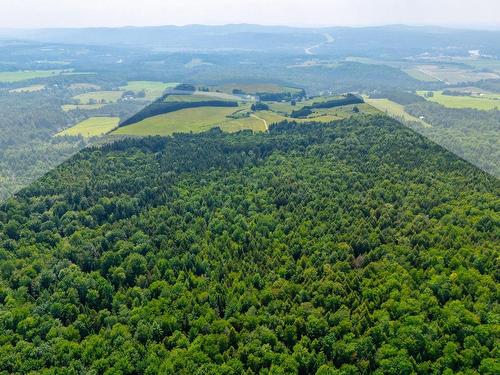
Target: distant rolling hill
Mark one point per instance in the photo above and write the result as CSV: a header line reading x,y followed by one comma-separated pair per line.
x,y
393,40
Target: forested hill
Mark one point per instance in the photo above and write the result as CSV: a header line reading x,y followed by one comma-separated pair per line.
x,y
352,247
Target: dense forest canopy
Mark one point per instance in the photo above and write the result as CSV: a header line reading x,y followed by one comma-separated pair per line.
x,y
344,248
469,133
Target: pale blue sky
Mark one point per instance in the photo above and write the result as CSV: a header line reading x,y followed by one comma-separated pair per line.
x,y
80,13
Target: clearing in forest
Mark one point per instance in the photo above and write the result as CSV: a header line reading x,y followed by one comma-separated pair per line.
x,y
92,127
484,102
192,120
395,110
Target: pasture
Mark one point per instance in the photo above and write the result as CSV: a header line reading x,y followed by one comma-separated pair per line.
x,y
252,123
394,110
286,108
92,127
231,119
24,75
96,97
191,120
346,111
484,102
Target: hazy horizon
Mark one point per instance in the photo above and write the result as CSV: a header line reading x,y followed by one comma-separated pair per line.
x,y
457,27
32,14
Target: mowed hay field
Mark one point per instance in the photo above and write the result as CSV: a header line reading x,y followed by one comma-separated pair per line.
x,y
394,110
92,127
191,120
485,102
9,77
152,89
99,96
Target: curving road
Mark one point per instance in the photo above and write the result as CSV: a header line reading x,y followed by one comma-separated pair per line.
x,y
329,39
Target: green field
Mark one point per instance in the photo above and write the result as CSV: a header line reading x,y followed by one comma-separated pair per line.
x,y
483,102
253,88
92,127
286,108
152,89
339,113
32,88
271,117
234,125
189,98
99,97
72,107
201,97
214,95
191,120
394,110
23,75
232,119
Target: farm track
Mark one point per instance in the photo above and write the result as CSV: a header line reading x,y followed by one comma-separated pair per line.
x,y
261,119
